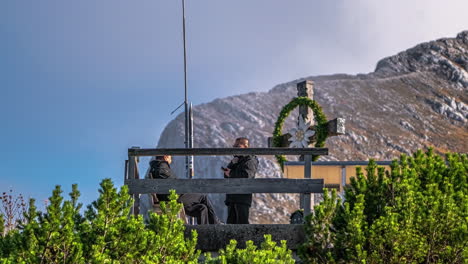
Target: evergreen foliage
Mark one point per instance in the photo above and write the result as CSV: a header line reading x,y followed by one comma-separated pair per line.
x,y
416,213
269,253
108,233
320,118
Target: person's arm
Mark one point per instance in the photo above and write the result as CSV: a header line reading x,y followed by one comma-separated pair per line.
x,y
232,164
226,172
166,171
248,169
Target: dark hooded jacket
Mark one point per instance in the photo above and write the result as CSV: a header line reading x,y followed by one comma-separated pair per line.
x,y
160,169
242,167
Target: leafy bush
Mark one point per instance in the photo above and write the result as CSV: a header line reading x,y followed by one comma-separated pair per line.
x,y
416,213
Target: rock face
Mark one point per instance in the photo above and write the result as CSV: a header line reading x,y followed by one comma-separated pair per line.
x,y
446,57
413,100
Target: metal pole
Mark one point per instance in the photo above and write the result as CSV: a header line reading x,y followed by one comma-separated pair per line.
x,y
191,164
187,121
185,86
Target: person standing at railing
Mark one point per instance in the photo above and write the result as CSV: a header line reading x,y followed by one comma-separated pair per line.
x,y
240,167
195,204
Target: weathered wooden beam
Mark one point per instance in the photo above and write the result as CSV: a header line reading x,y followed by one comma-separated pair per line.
x,y
284,140
134,175
215,237
132,152
332,186
234,186
306,89
132,166
136,196
307,175
126,170
336,127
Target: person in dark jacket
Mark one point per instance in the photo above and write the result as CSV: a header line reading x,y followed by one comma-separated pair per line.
x,y
195,204
240,167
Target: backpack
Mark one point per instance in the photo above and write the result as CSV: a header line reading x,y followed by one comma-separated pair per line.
x,y
297,217
152,172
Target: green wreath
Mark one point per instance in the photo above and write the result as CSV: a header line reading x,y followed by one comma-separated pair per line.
x,y
320,128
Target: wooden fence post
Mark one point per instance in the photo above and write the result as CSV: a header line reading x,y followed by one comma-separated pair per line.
x,y
307,175
133,174
126,170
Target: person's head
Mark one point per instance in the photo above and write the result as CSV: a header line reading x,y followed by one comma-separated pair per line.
x,y
241,142
166,158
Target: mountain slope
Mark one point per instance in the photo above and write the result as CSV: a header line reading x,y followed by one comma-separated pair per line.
x,y
415,99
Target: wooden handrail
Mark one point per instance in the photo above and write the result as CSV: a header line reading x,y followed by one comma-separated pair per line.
x,y
136,152
232,186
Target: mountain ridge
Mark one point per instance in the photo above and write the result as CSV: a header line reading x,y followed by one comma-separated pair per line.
x,y
413,100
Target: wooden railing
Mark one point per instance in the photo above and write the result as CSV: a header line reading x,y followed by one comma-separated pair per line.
x,y
213,237
137,152
235,186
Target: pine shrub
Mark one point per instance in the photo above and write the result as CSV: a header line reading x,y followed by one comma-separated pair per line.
x,y
416,213
108,233
269,253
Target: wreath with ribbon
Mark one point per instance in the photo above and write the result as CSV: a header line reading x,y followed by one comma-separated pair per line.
x,y
320,127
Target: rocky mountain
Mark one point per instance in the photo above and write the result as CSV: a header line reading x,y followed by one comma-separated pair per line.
x,y
413,100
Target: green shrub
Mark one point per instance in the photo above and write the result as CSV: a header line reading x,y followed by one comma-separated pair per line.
x,y
107,233
167,237
416,213
269,253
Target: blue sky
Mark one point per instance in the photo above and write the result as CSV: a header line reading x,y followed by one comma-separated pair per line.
x,y
82,81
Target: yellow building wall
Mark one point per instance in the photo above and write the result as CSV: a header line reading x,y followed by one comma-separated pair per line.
x,y
330,174
351,171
